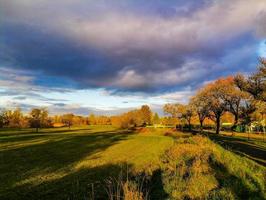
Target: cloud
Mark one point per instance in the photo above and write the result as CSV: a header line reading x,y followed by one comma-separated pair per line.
x,y
128,46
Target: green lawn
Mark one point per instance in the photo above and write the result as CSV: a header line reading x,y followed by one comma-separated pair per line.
x,y
59,163
62,163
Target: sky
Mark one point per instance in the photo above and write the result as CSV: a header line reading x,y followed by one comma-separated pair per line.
x,y
107,57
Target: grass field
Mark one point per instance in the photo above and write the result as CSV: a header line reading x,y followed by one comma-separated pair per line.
x,y
62,163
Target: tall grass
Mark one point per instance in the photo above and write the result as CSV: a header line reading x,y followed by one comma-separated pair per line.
x,y
196,168
124,187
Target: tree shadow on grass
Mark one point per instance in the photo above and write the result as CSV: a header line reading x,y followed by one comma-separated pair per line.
x,y
156,186
86,183
22,137
29,161
239,186
14,132
242,147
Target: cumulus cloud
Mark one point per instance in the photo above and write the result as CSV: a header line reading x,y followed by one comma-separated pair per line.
x,y
129,46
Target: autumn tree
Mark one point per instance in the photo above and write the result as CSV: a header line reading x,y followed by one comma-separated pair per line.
x,y
67,119
2,118
16,118
254,84
214,97
7,117
38,118
145,114
186,112
183,112
133,118
201,106
233,96
171,109
92,119
156,119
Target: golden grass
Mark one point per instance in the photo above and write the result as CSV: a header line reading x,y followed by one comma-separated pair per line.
x,y
196,168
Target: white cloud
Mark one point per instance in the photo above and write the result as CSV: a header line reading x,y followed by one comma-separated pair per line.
x,y
213,25
218,22
191,70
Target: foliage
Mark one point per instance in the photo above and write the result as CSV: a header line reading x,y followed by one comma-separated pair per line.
x,y
13,119
254,84
133,118
145,114
200,106
39,118
181,111
156,119
67,119
243,97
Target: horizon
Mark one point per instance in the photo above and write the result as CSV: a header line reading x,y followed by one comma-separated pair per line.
x,y
110,57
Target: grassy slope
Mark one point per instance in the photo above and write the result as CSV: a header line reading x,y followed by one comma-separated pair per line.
x,y
196,168
62,163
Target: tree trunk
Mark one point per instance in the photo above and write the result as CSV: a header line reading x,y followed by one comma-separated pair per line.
x,y
189,125
201,126
236,120
218,124
37,129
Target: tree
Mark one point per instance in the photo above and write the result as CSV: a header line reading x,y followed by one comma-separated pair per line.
x,y
2,119
246,111
201,107
67,119
180,111
214,97
146,114
92,119
186,112
38,118
16,118
233,96
156,119
254,84
171,109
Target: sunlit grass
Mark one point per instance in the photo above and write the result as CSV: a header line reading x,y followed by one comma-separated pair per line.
x,y
62,163
196,168
50,164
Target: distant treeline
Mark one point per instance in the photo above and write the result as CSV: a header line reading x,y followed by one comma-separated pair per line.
x,y
39,118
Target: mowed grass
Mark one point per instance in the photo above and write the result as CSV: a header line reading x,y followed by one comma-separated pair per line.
x,y
62,163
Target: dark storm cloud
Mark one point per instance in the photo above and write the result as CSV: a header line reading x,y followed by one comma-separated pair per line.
x,y
130,46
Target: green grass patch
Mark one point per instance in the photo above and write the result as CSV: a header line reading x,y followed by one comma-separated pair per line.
x,y
62,163
76,163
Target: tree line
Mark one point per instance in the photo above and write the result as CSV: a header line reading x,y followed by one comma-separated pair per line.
x,y
39,118
243,97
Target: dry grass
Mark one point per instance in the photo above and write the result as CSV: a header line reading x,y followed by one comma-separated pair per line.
x,y
196,168
122,188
